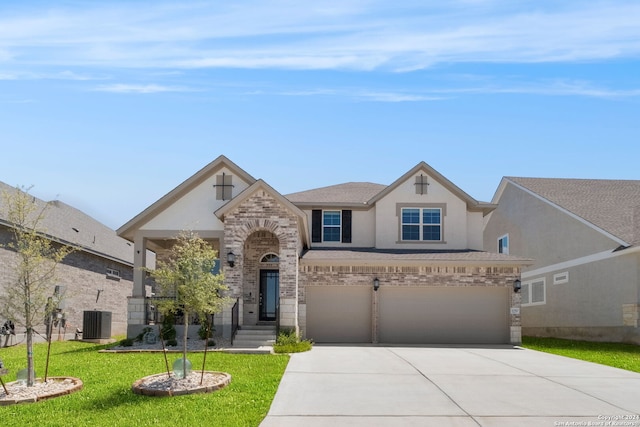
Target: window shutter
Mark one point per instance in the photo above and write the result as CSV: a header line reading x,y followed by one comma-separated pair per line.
x,y
316,225
346,226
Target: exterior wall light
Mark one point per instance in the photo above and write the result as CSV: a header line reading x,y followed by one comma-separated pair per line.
x,y
231,259
376,284
517,285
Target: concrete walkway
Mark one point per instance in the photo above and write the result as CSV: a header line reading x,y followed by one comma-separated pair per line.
x,y
450,386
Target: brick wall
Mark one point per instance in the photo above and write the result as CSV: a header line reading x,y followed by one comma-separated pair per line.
x,y
259,213
80,275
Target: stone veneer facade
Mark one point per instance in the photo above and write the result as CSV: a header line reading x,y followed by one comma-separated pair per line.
x,y
262,213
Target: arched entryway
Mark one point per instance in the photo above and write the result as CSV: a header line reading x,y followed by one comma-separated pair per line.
x,y
261,284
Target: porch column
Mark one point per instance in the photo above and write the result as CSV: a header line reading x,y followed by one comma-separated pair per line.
x,y
136,307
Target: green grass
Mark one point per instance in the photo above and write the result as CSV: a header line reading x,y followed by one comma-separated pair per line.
x,y
618,355
107,399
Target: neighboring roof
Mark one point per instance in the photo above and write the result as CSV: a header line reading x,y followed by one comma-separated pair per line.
x,y
472,204
128,229
399,256
610,205
348,194
66,224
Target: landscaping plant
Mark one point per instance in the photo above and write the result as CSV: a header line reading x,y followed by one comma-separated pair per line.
x,y
28,301
186,277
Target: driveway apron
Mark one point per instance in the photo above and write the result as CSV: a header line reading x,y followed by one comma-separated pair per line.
x,y
450,386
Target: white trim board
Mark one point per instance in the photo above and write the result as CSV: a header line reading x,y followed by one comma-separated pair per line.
x,y
600,256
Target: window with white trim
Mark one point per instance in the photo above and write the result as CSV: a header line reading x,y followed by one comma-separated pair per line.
x,y
561,278
331,229
534,292
503,245
421,224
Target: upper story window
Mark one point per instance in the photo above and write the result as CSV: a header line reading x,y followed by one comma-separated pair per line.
x,y
421,224
331,226
503,245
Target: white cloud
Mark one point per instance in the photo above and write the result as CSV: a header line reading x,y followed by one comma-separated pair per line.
x,y
281,34
141,89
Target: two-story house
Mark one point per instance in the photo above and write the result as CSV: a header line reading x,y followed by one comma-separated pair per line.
x,y
356,262
584,238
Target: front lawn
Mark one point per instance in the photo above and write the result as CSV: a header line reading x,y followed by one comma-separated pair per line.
x,y
623,356
107,399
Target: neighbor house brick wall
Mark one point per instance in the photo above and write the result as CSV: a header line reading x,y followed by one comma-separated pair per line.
x,y
81,275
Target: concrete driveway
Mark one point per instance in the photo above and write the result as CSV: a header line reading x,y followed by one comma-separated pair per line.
x,y
450,386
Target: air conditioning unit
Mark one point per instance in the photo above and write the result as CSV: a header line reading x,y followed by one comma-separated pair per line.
x,y
96,325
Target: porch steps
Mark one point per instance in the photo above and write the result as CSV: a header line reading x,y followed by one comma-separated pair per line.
x,y
255,336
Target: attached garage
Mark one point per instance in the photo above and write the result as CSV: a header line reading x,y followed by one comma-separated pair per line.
x,y
339,314
443,315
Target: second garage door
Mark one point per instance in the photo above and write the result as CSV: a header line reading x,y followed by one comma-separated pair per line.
x,y
443,315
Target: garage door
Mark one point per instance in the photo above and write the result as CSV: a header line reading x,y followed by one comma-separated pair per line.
x,y
337,314
452,315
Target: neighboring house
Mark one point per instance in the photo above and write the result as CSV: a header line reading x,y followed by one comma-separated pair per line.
x,y
313,261
583,236
98,275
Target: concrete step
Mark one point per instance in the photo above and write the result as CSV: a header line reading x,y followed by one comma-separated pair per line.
x,y
248,343
252,336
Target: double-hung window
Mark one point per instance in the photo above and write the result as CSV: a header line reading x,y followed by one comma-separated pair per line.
x,y
331,225
421,224
331,229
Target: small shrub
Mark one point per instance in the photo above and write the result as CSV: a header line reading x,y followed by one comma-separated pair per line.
x,y
202,332
211,343
172,342
168,329
127,342
288,341
141,335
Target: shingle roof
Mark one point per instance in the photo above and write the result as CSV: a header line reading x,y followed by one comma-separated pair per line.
x,y
355,193
400,255
61,222
611,205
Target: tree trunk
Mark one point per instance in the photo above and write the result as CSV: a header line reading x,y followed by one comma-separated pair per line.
x,y
30,367
184,345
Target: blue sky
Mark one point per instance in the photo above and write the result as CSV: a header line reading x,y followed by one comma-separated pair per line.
x,y
108,106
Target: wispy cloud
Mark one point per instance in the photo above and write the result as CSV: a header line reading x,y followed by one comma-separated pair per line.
x,y
141,89
282,34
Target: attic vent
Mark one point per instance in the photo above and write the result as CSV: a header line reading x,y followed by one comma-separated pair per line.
x,y
421,184
223,186
113,273
561,278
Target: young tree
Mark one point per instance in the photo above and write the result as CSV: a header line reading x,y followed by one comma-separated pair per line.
x,y
25,299
187,277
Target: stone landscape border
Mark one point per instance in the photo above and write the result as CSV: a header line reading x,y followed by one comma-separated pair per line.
x,y
67,385
223,379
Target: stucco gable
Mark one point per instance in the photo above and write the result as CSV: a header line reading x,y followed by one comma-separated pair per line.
x,y
431,173
611,207
128,230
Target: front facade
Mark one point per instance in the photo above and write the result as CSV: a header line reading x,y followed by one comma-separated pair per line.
x,y
356,263
97,276
583,236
